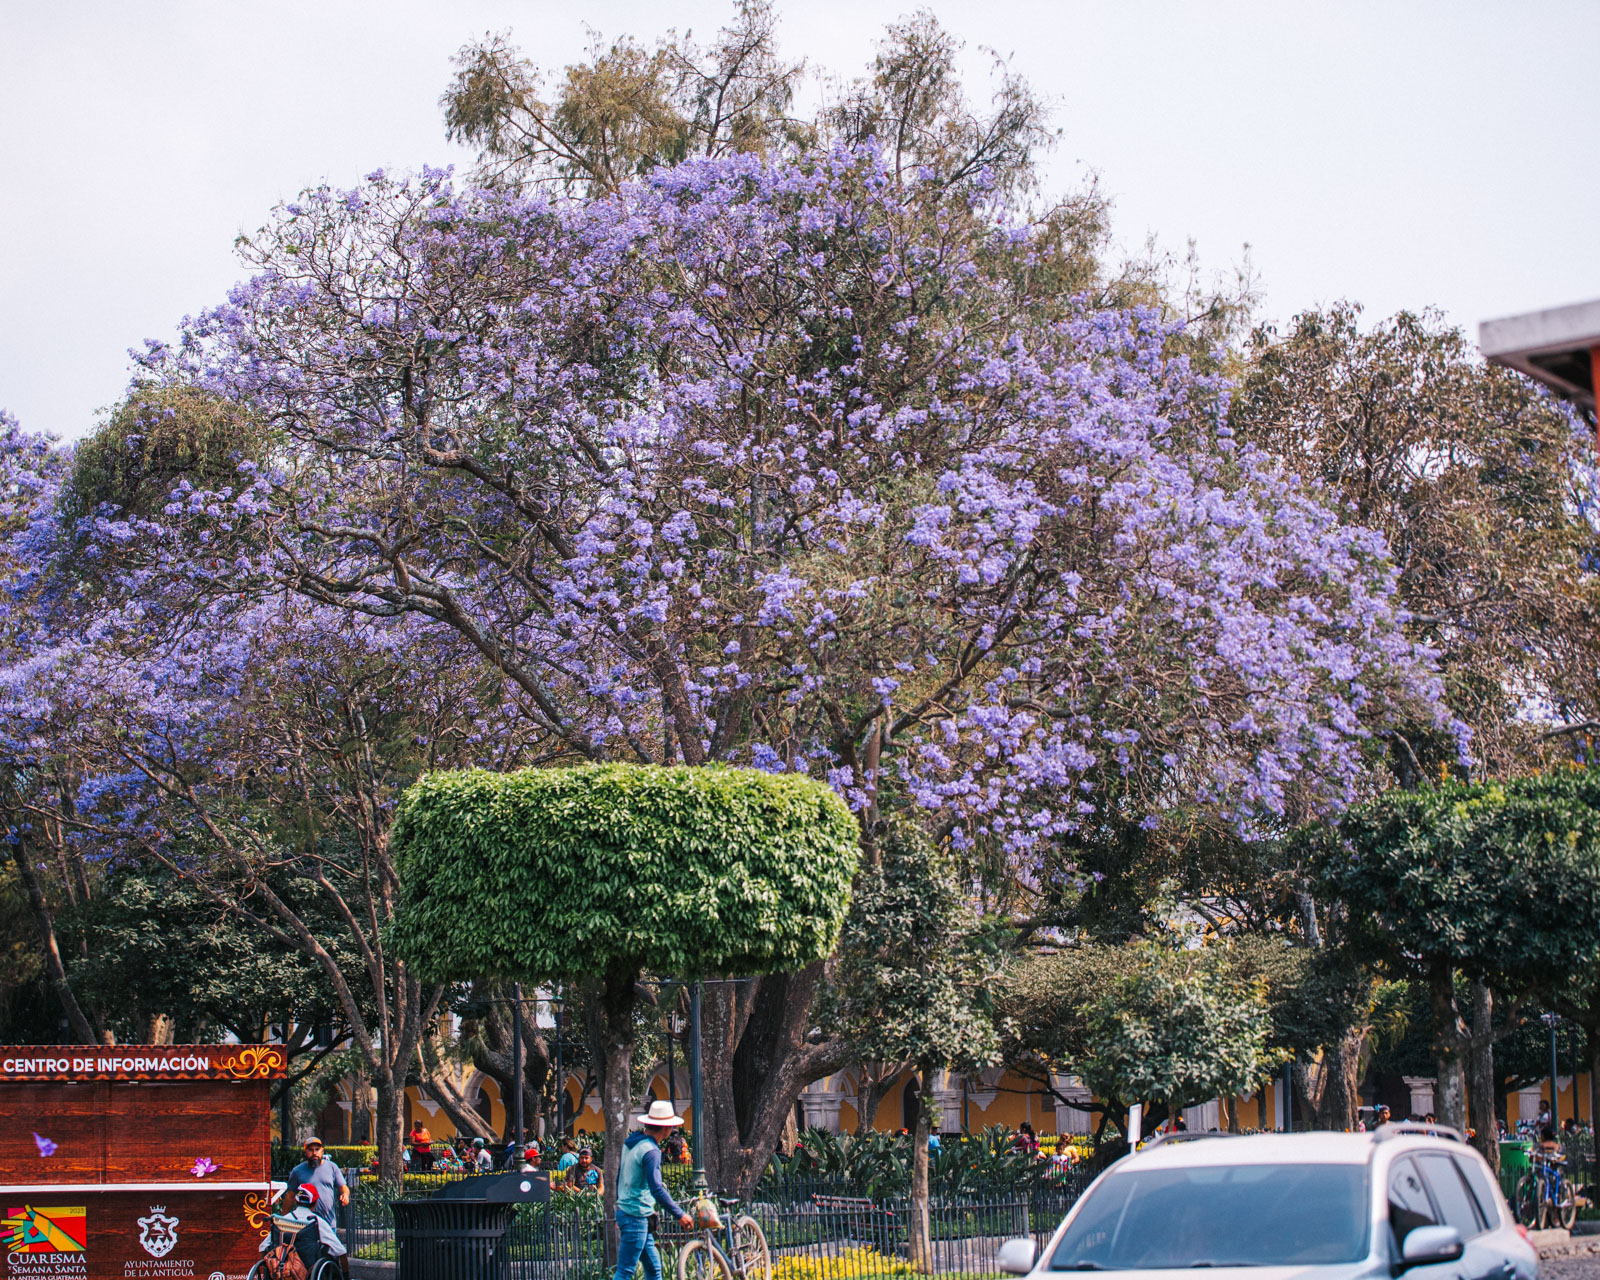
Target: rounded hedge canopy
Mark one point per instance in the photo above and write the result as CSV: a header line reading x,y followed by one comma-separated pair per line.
x,y
682,870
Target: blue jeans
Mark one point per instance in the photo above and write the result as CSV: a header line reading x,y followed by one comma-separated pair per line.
x,y
635,1243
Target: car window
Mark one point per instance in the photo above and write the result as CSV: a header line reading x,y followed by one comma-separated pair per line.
x,y
1483,1189
1245,1215
1450,1194
1409,1206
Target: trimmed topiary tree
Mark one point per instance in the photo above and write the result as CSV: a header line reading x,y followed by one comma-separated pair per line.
x,y
616,870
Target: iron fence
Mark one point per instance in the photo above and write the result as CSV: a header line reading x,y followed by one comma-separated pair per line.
x,y
815,1230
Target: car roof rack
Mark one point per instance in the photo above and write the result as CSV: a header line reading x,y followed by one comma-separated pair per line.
x,y
1400,1128
1183,1135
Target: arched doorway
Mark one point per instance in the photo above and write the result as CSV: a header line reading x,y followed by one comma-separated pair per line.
x,y
911,1103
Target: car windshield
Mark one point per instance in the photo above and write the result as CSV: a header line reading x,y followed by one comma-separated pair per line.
x,y
1243,1215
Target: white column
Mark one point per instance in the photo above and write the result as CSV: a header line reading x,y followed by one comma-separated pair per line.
x,y
1421,1093
946,1098
821,1104
1205,1117
1071,1119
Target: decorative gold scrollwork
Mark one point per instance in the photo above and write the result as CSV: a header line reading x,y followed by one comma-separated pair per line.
x,y
255,1061
257,1210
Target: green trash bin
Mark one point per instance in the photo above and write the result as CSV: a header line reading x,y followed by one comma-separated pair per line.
x,y
1513,1164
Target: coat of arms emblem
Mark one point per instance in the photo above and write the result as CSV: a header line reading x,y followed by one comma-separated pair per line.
x,y
159,1232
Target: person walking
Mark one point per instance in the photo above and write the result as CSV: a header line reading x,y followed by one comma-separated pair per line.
x,y
640,1190
323,1177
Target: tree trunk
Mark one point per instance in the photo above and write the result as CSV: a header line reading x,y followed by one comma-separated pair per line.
x,y
756,1061
1450,1091
462,1113
875,1088
1261,1105
54,969
1230,1113
390,1124
1593,1038
921,1242
617,1000
1480,1076
1340,1096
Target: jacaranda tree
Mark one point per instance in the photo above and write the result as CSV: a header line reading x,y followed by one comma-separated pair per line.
x,y
620,871
788,464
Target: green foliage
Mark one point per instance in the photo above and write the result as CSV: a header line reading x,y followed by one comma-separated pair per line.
x,y
27,1011
153,439
1500,881
911,969
878,1164
1177,1025
553,872
155,944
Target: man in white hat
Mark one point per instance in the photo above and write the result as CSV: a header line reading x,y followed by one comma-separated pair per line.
x,y
640,1190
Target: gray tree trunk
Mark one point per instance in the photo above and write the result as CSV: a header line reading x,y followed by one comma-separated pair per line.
x,y
1480,1076
617,1000
1450,1089
921,1242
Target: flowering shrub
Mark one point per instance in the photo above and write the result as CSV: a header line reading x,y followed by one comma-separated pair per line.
x,y
854,1263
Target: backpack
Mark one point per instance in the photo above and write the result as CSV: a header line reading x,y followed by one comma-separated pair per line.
x,y
282,1262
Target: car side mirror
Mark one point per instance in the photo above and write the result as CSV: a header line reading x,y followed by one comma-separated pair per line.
x,y
1430,1244
1015,1257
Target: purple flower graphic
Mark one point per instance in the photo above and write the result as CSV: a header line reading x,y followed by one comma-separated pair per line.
x,y
203,1166
46,1147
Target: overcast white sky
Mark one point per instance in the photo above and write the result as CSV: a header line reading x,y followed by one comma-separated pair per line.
x,y
1401,153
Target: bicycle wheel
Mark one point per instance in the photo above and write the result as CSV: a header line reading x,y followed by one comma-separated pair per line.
x,y
751,1257
702,1260
1565,1205
1545,1213
1524,1200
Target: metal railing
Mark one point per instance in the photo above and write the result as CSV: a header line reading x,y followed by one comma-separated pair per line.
x,y
815,1230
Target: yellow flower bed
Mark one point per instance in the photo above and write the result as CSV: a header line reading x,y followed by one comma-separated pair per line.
x,y
847,1264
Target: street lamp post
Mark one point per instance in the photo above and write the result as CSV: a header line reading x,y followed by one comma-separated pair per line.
x,y
1550,1020
561,1074
516,1064
696,1096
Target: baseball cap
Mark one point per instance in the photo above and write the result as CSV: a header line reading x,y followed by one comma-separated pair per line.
x,y
305,1194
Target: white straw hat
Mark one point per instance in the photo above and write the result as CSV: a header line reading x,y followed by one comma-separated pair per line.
x,y
660,1113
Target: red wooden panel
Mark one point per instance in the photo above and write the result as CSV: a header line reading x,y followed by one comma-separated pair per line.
x,y
128,1235
71,1118
156,1132
104,1132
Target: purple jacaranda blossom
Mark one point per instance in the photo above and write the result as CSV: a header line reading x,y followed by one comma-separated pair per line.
x,y
772,462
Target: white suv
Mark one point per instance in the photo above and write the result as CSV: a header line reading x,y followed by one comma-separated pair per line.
x,y
1325,1206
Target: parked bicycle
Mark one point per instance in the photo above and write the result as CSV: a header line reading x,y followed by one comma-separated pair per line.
x,y
1545,1197
742,1253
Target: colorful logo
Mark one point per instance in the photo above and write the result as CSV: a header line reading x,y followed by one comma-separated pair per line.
x,y
45,1230
159,1232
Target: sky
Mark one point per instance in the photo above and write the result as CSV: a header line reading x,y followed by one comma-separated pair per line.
x,y
1401,154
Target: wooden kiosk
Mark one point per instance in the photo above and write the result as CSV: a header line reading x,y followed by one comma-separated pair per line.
x,y
139,1162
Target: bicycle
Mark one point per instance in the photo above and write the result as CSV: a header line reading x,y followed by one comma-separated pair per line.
x,y
1544,1197
743,1254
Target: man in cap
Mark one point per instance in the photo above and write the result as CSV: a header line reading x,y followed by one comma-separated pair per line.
x,y
323,1177
482,1161
640,1190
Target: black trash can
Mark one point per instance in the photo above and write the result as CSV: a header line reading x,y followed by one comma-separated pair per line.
x,y
459,1240
463,1231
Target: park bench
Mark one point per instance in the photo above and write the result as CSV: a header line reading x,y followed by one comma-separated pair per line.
x,y
860,1220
